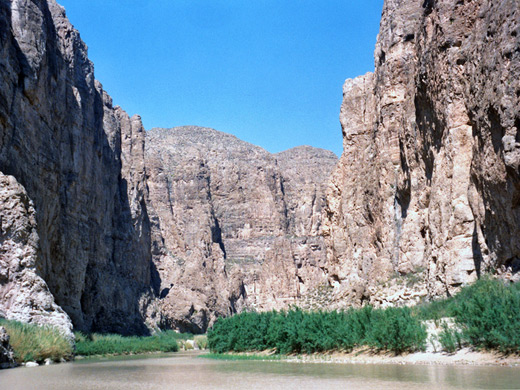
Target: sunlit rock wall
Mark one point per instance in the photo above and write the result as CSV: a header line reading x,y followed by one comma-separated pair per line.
x,y
426,195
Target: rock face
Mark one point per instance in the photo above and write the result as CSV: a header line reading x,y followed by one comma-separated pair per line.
x,y
230,226
24,296
233,226
80,161
426,195
198,224
6,352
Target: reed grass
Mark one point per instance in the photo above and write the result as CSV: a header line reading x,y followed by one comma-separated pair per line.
x,y
37,343
113,344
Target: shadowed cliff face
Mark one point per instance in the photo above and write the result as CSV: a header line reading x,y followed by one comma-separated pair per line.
x,y
233,226
426,192
81,163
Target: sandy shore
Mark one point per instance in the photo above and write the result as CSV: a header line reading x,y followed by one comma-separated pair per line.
x,y
364,356
465,356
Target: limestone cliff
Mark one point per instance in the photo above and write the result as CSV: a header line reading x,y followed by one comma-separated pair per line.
x,y
230,226
24,295
101,231
79,162
233,226
425,197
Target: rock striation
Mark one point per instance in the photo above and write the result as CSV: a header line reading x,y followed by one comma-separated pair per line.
x,y
426,195
233,226
95,235
81,164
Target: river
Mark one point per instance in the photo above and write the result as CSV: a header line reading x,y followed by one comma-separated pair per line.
x,y
187,371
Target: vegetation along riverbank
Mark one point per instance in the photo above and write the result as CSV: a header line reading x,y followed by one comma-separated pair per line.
x,y
477,326
37,344
484,316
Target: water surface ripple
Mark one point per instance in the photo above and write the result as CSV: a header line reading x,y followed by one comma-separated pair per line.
x,y
187,371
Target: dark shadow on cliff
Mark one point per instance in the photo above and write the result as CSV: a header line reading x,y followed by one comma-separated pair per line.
x,y
477,253
90,263
501,217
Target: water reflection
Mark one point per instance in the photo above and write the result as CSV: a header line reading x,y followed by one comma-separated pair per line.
x,y
185,371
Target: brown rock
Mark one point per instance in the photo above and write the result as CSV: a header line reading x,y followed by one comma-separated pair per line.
x,y
426,190
233,226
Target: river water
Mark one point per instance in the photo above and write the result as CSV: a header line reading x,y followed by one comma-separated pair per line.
x,y
187,371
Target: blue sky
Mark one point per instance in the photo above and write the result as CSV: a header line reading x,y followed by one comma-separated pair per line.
x,y
268,71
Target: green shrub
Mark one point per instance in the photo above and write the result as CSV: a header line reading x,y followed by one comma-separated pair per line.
x,y
297,331
449,338
488,313
435,310
394,329
36,343
113,344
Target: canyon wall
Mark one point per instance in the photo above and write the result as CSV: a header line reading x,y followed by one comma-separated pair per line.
x,y
75,167
233,226
225,226
114,229
426,195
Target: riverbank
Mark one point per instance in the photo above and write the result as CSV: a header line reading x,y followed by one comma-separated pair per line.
x,y
31,345
462,357
484,316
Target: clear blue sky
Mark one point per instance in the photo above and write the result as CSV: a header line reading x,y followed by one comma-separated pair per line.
x,y
268,71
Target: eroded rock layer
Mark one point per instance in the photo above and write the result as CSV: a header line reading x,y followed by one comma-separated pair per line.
x,y
233,226
425,197
80,161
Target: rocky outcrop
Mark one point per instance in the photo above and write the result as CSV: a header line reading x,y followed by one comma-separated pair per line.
x,y
199,224
24,295
80,161
425,198
233,226
6,352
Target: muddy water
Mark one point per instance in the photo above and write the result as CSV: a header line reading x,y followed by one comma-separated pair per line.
x,y
186,371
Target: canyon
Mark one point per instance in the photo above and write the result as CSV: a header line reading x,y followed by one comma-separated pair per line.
x,y
425,197
107,227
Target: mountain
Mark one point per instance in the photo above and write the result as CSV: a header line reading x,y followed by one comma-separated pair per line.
x,y
107,227
426,195
233,226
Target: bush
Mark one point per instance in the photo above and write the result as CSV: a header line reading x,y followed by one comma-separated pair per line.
x,y
202,341
435,310
394,329
36,343
488,313
449,338
113,344
296,331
